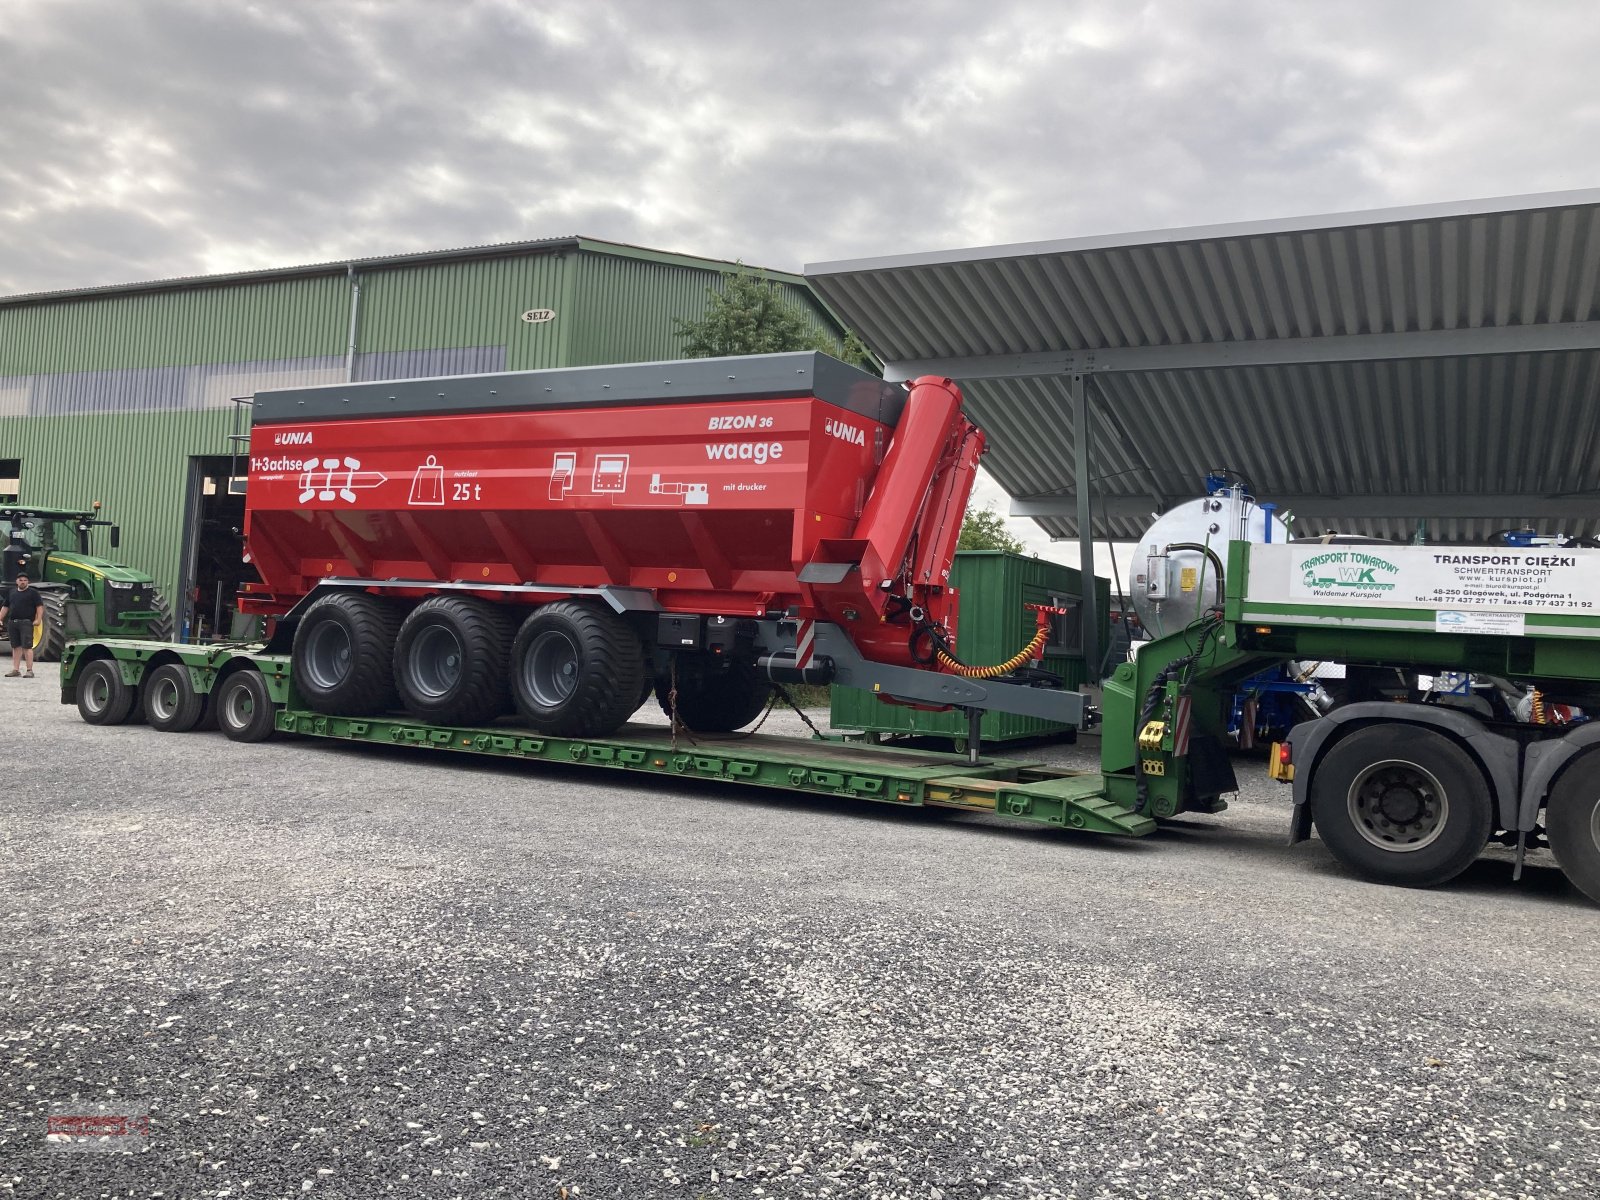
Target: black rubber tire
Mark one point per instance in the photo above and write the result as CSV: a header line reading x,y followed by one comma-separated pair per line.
x,y
474,688
1572,823
713,700
343,655
103,698
52,632
244,708
160,629
171,703
576,670
1401,752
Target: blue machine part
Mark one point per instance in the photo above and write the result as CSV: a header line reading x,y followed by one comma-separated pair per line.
x,y
1267,706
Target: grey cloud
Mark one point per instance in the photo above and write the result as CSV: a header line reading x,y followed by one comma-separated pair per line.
x,y
170,137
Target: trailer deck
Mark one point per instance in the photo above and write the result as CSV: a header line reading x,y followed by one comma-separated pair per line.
x,y
828,766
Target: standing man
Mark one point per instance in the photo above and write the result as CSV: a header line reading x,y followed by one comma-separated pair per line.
x,y
22,613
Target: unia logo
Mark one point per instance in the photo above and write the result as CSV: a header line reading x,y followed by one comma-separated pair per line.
x,y
844,431
1349,572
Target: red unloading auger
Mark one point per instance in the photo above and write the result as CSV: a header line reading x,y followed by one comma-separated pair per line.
x,y
905,543
892,577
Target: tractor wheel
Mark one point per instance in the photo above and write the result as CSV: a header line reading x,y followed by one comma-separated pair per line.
x,y
160,629
50,635
103,698
716,701
452,661
576,670
245,712
343,655
171,703
1572,822
1401,804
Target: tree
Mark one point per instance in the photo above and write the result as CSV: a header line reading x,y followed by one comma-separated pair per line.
x,y
748,314
985,529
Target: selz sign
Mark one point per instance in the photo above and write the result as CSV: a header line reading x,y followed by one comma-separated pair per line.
x,y
539,316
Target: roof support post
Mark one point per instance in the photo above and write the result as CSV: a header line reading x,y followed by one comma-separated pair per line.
x,y
1089,605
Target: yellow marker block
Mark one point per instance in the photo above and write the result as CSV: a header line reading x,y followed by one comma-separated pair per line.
x,y
1188,579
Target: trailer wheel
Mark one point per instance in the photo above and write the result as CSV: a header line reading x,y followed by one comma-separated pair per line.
x,y
103,698
1401,804
245,712
171,703
452,661
1572,822
576,670
343,656
712,701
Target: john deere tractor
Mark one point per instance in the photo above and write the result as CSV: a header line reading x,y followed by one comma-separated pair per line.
x,y
82,592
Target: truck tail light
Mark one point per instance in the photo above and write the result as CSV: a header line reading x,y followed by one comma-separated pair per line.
x,y
1280,765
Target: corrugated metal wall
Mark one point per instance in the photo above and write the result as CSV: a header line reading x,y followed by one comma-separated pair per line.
x,y
257,322
469,304
136,465
107,397
627,308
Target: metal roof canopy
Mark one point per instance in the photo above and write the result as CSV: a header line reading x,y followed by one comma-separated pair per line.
x,y
1437,364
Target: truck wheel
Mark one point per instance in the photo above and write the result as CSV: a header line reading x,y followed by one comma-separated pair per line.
x,y
452,661
343,656
50,635
245,712
170,702
717,701
1572,822
103,698
1401,804
576,670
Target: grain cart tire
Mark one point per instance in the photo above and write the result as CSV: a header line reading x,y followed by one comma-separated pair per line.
x,y
1401,804
452,661
1572,822
103,698
717,701
171,703
577,670
245,712
50,635
343,656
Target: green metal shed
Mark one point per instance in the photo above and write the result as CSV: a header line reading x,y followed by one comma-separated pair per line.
x,y
125,394
995,586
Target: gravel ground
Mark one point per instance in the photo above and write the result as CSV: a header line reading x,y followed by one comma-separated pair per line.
x,y
331,971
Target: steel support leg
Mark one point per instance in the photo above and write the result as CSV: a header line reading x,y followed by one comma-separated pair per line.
x,y
1082,452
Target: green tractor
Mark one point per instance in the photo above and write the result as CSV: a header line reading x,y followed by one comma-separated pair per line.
x,y
82,592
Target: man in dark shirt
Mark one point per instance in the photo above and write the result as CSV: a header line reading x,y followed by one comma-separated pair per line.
x,y
22,612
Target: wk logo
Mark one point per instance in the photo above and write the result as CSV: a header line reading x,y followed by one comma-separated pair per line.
x,y
1348,572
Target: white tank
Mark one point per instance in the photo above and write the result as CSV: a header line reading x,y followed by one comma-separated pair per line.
x,y
1171,587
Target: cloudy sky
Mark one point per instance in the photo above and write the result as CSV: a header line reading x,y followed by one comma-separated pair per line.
x,y
144,139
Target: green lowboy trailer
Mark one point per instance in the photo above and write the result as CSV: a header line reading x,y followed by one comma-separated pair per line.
x,y
1404,785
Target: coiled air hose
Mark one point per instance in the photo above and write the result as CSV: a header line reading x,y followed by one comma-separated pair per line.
x,y
1032,650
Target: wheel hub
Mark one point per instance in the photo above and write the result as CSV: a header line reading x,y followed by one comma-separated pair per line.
x,y
550,668
435,661
328,655
1398,806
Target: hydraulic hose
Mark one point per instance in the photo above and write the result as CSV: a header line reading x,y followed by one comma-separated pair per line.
x,y
956,667
1211,554
1032,650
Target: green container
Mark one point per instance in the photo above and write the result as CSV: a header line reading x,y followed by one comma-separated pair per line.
x,y
995,586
